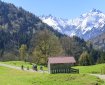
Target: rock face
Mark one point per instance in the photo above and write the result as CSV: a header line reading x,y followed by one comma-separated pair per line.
x,y
86,26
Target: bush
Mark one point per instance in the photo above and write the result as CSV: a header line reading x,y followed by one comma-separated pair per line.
x,y
9,57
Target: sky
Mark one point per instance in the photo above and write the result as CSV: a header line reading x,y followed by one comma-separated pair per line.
x,y
67,9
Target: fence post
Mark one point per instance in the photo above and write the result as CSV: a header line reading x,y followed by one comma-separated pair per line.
x,y
78,71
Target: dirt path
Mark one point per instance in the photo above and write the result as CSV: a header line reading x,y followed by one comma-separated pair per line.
x,y
19,68
99,76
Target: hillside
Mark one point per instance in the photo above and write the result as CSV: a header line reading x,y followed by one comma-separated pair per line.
x,y
17,27
99,42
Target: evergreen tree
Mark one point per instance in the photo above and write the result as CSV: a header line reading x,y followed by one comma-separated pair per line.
x,y
101,59
23,52
66,44
73,46
84,59
93,57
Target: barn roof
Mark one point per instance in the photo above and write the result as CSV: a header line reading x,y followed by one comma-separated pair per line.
x,y
57,60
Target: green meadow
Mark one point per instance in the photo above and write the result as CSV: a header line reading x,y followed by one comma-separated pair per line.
x,y
16,77
25,64
95,69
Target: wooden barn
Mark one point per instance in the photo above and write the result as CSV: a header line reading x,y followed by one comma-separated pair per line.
x,y
61,64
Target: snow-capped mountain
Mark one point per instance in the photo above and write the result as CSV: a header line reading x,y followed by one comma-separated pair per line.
x,y
86,26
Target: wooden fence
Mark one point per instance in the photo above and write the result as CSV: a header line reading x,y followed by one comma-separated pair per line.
x,y
70,70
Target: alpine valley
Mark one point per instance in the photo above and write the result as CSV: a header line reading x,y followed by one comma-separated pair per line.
x,y
37,38
87,26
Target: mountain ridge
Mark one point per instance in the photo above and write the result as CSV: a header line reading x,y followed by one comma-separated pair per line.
x,y
84,26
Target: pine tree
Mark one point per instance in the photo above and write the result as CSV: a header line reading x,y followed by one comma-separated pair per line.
x,y
22,52
101,59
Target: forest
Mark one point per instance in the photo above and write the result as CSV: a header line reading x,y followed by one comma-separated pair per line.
x,y
23,36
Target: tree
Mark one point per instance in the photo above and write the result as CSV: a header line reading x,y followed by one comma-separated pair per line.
x,y
4,41
23,52
101,59
84,59
46,45
73,46
66,44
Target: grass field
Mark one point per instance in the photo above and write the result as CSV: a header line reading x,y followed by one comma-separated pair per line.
x,y
90,69
19,63
15,77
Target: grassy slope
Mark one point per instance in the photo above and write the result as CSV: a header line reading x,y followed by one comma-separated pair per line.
x,y
14,77
90,69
